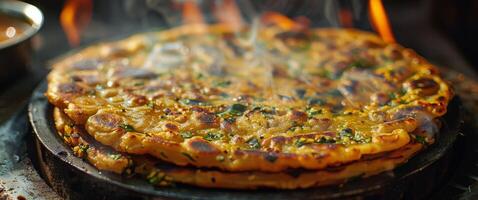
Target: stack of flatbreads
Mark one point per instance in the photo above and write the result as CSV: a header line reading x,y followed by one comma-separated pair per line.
x,y
268,107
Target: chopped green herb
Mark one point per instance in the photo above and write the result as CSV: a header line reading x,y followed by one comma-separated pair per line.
x,y
312,112
188,156
271,157
139,84
304,46
324,140
361,138
223,84
316,101
199,76
192,102
220,158
224,95
151,104
392,95
127,128
294,126
234,110
334,92
84,147
254,143
259,99
346,132
155,177
300,93
327,74
211,136
99,87
402,91
360,63
115,156
300,142
230,120
186,134
421,139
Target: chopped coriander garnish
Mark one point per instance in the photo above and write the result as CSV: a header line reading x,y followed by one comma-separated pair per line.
x,y
271,157
151,104
334,92
346,132
139,84
324,140
230,120
115,156
211,136
155,177
316,101
254,143
199,76
402,91
392,95
234,110
360,63
300,93
361,138
312,112
186,134
421,139
300,142
100,87
223,84
224,95
220,158
84,147
193,102
127,128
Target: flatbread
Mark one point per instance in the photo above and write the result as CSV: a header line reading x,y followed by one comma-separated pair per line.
x,y
163,174
269,101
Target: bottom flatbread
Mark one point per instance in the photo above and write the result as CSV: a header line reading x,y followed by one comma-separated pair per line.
x,y
160,173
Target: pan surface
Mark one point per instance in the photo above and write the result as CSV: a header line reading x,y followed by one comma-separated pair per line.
x,y
74,178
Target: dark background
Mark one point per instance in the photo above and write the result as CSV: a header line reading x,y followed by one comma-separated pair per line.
x,y
418,24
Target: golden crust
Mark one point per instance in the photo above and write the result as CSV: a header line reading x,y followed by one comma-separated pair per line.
x,y
159,173
310,100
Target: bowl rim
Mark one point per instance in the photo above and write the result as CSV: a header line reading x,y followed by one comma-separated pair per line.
x,y
26,11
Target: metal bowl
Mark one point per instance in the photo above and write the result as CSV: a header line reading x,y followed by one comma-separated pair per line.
x,y
15,53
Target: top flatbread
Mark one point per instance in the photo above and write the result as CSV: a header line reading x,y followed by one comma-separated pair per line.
x,y
267,101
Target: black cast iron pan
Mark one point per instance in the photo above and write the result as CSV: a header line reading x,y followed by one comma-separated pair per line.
x,y
74,178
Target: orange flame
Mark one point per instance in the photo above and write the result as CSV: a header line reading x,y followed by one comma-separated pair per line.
x,y
192,13
380,20
278,19
74,17
228,13
297,24
345,17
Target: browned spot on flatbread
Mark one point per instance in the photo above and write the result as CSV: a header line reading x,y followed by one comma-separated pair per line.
x,y
202,146
106,121
171,127
207,119
298,116
70,88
